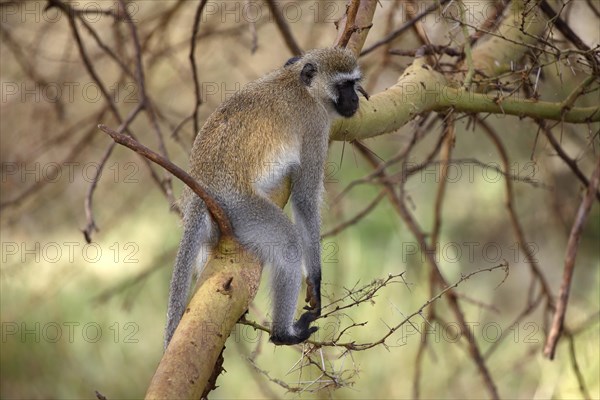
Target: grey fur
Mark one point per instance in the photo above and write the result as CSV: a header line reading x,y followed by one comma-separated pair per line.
x,y
275,128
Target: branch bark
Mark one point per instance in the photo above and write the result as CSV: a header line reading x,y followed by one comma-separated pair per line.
x,y
228,285
421,89
354,26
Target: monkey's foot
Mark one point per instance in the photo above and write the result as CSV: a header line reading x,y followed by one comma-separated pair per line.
x,y
302,331
313,297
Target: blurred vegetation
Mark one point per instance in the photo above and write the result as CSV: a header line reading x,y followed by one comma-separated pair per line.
x,y
78,318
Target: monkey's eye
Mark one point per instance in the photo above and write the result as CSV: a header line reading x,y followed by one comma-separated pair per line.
x,y
345,84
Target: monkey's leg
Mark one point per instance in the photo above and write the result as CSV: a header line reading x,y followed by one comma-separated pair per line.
x,y
197,234
262,228
306,195
308,225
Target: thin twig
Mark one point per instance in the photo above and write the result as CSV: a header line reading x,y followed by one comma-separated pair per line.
x,y
192,57
337,229
568,102
427,50
400,207
575,365
403,28
563,295
446,291
571,163
467,47
515,222
145,101
284,28
213,207
105,48
446,155
566,30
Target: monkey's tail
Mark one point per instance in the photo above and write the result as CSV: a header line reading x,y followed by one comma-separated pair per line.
x,y
198,235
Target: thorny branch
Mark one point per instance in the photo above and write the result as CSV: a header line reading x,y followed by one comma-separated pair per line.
x,y
566,30
402,210
406,26
356,297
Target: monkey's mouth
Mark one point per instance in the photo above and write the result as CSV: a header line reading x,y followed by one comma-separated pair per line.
x,y
346,110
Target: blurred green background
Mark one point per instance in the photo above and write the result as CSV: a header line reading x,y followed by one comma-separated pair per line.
x,y
78,318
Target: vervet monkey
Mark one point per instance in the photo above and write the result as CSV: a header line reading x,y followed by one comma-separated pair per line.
x,y
274,128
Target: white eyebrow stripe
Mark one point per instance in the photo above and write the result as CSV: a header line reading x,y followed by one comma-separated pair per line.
x,y
352,76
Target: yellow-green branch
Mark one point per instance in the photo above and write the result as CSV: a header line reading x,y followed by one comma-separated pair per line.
x,y
421,89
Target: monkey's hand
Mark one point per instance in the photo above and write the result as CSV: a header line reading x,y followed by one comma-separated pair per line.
x,y
313,297
302,331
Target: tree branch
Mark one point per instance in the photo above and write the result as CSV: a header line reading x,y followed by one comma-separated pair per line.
x,y
406,216
284,28
192,58
404,27
227,286
563,295
213,207
354,26
571,163
566,30
421,89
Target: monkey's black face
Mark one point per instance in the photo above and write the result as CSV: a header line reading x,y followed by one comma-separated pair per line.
x,y
347,100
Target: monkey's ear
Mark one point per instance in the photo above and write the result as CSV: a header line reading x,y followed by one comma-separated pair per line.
x,y
291,61
308,73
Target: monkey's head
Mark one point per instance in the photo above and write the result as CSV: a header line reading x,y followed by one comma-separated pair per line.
x,y
331,75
